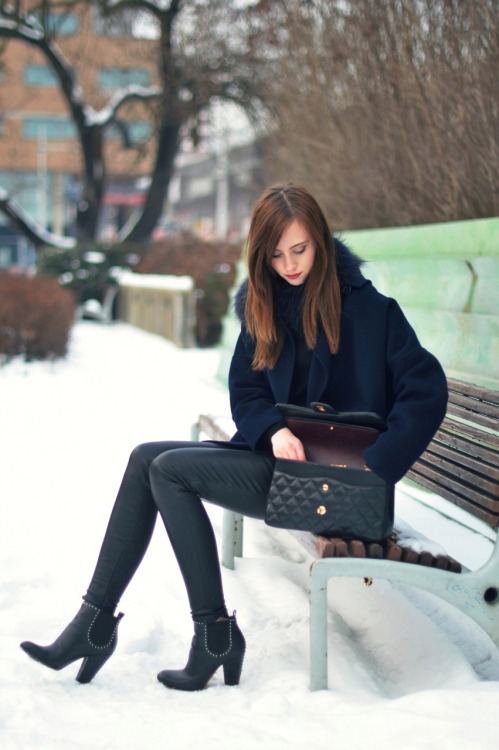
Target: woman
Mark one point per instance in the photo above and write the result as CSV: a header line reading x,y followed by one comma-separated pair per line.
x,y
313,329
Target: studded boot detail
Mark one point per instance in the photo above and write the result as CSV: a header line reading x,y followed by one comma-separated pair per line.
x,y
91,636
216,644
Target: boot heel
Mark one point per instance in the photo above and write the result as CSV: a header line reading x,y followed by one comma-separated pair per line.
x,y
90,666
215,644
92,636
232,670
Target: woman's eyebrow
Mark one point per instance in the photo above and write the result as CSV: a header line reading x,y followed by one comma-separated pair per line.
x,y
297,244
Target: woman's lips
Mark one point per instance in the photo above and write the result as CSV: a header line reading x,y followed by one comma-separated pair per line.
x,y
293,276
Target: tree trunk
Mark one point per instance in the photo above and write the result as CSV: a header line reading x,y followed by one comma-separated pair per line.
x,y
90,202
158,190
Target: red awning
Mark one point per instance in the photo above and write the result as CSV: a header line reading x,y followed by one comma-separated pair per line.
x,y
124,199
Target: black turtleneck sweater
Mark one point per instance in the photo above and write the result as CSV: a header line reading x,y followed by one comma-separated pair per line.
x,y
288,307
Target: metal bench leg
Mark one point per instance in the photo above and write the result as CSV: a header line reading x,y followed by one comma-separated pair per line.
x,y
195,432
232,538
318,628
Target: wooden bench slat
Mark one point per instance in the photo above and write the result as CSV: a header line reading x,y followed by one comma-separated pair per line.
x,y
471,431
469,441
474,406
479,402
489,516
487,418
478,405
459,387
326,547
462,465
480,497
466,466
482,477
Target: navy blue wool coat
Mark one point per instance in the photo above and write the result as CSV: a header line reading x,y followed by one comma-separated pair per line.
x,y
380,367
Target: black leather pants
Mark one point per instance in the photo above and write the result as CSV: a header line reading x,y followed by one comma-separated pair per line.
x,y
171,477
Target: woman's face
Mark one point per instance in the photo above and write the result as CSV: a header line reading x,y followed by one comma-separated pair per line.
x,y
294,255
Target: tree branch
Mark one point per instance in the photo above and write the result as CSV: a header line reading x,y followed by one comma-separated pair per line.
x,y
29,228
130,93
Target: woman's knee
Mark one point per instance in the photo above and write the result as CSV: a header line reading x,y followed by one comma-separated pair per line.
x,y
141,455
175,466
145,453
162,466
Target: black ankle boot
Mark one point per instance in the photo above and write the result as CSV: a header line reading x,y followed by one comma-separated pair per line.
x,y
91,636
214,645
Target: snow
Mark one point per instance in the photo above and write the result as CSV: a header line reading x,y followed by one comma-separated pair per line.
x,y
120,96
406,670
155,281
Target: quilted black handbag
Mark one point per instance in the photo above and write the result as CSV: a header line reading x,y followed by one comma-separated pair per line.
x,y
332,493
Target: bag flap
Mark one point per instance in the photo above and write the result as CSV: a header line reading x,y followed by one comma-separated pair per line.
x,y
326,413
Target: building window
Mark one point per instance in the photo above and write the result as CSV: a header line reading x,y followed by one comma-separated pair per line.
x,y
49,128
64,24
138,131
115,78
39,75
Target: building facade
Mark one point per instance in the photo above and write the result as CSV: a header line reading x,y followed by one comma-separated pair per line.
x,y
213,188
212,192
40,161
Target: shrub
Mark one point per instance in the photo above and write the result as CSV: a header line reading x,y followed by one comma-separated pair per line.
x,y
212,265
36,316
87,271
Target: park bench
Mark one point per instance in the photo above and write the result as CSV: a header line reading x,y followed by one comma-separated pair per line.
x,y
461,465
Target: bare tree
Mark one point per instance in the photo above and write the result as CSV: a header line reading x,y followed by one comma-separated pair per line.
x,y
387,109
197,59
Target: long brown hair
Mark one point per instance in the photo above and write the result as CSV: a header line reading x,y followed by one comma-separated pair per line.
x,y
274,210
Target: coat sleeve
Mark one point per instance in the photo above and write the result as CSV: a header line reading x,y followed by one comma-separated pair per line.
x,y
251,398
419,389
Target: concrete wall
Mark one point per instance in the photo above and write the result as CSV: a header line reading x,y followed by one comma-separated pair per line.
x,y
446,279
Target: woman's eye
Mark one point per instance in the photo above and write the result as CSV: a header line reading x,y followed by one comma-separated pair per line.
x,y
301,250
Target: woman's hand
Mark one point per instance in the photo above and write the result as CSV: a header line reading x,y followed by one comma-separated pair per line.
x,y
287,445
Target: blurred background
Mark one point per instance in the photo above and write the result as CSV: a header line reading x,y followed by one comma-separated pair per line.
x,y
137,134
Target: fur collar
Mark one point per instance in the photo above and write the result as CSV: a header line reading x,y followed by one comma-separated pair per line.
x,y
349,272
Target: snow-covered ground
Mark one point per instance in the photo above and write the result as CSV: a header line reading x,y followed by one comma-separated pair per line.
x,y
406,669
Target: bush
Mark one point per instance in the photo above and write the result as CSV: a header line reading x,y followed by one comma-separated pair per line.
x,y
87,271
36,316
212,265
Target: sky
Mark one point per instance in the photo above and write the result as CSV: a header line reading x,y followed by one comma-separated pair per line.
x,y
405,670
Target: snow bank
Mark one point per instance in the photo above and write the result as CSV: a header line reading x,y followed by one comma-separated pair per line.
x,y
406,669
